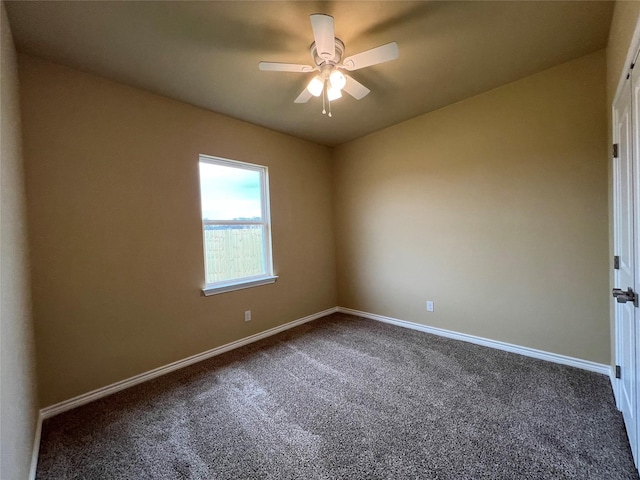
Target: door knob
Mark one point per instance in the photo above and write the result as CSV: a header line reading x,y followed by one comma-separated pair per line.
x,y
622,296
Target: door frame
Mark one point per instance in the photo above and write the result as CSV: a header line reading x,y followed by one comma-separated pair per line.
x,y
632,53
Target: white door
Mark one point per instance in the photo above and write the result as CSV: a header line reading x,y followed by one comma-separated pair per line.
x,y
635,101
627,137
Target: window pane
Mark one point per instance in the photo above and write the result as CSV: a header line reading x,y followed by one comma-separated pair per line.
x,y
237,252
233,251
229,193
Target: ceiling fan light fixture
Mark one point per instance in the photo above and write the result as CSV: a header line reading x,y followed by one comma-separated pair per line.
x,y
327,51
337,79
333,93
316,85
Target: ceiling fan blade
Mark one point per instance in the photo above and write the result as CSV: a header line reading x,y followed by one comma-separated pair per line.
x,y
284,67
384,53
324,35
304,97
355,88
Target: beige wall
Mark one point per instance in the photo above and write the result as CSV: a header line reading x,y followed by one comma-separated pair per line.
x,y
626,16
114,215
495,208
18,399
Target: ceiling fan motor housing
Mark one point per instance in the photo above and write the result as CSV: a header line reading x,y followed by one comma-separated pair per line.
x,y
321,61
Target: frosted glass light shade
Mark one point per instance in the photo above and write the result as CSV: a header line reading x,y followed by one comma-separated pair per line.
x,y
315,86
333,93
337,80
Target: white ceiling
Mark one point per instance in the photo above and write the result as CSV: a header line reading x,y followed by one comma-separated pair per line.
x,y
207,53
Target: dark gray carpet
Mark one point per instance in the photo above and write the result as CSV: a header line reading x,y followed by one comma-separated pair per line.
x,y
345,397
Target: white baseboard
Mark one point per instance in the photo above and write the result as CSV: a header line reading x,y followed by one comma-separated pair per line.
x,y
508,347
85,398
36,448
66,405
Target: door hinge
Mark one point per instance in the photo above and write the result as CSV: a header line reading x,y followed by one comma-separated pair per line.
x,y
618,371
616,262
615,150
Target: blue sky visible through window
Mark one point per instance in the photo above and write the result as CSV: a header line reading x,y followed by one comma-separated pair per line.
x,y
229,193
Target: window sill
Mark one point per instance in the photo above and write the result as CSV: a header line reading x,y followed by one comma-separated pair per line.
x,y
230,287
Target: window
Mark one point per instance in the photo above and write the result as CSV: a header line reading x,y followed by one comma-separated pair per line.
x,y
235,225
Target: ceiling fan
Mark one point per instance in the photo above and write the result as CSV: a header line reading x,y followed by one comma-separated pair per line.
x,y
327,51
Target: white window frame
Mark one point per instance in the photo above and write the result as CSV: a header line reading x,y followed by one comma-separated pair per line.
x,y
255,280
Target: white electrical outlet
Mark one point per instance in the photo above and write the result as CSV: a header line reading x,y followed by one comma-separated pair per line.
x,y
247,315
429,306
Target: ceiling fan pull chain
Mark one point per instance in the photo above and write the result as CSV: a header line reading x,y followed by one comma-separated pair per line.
x,y
324,96
325,99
